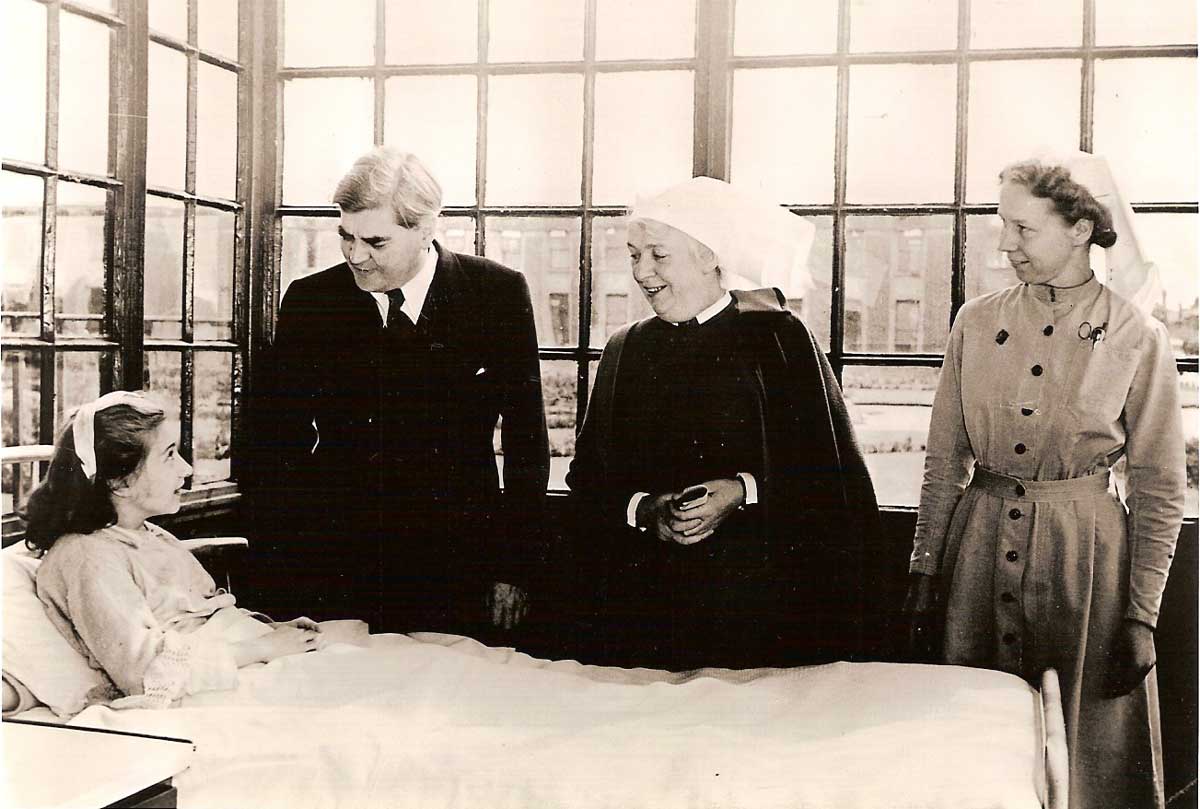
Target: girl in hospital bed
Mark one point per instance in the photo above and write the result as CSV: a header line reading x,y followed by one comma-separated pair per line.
x,y
125,593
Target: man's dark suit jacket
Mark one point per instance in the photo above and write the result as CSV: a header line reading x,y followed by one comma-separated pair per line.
x,y
372,477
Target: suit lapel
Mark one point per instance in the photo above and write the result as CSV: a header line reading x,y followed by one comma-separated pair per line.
x,y
442,318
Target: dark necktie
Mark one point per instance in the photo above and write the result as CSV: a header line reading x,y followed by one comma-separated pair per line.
x,y
396,319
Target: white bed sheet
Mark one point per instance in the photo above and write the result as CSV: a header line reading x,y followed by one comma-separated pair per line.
x,y
441,721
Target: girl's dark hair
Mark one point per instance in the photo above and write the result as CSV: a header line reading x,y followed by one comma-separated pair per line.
x,y
66,502
1072,200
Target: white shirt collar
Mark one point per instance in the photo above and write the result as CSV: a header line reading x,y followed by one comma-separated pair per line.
x,y
715,309
415,291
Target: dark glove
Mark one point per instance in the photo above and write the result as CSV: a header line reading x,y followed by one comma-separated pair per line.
x,y
920,605
1131,660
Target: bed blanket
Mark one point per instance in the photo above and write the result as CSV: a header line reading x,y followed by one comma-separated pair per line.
x,y
436,721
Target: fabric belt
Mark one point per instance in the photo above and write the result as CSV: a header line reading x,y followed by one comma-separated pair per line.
x,y
1040,491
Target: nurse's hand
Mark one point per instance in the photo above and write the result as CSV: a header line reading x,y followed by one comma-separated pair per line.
x,y
920,605
1131,659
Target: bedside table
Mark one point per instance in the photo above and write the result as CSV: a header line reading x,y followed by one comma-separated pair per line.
x,y
64,767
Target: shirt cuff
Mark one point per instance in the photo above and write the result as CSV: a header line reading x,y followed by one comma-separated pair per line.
x,y
751,487
631,509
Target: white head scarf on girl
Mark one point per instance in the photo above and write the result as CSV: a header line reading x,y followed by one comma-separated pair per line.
x,y
83,427
757,243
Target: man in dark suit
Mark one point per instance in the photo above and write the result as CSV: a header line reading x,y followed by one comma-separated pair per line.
x,y
373,474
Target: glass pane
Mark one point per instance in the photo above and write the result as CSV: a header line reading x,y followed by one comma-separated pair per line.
x,y
897,114
217,129
1025,23
535,31
903,25
213,415
987,268
560,384
1146,125
167,122
83,95
431,32
809,289
890,409
616,298
327,125
163,374
315,35
310,244
23,41
627,29
768,27
456,234
1169,240
213,299
535,140
546,251
897,283
79,259
164,268
218,24
641,159
1191,436
21,251
783,128
169,17
1169,22
103,5
77,381
435,118
998,89
22,415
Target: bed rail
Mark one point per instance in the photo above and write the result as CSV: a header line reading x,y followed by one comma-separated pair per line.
x,y
1057,765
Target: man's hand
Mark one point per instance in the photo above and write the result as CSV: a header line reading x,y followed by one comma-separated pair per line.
x,y
692,525
920,605
1131,660
506,605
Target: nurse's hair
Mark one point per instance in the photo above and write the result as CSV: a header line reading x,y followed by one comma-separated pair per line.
x,y
1072,200
68,501
389,177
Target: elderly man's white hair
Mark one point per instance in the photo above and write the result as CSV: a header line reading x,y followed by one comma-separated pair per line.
x,y
755,241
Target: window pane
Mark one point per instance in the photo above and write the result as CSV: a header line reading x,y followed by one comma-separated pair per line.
x,y
456,234
897,113
429,32
642,158
560,384
1171,22
314,34
327,125
169,17
21,249
1146,125
998,137
890,409
1025,23
213,414
546,251
164,375
769,27
217,129
903,25
83,95
310,244
77,381
783,128
1169,240
22,414
1191,435
23,40
535,140
987,268
616,298
535,31
167,122
79,259
218,26
897,283
164,268
809,289
213,300
435,118
626,29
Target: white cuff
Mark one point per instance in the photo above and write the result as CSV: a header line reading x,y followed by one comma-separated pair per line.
x,y
631,509
751,488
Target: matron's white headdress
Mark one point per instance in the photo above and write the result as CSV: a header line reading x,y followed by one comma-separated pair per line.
x,y
752,238
83,427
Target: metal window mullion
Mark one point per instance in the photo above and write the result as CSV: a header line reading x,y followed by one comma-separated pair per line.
x,y
1087,82
585,195
187,409
481,117
962,107
837,304
712,81
242,244
378,77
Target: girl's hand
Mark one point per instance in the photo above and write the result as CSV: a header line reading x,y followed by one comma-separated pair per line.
x,y
299,623
282,641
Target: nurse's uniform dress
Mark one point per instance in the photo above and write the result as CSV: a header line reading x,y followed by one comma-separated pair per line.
x,y
1043,390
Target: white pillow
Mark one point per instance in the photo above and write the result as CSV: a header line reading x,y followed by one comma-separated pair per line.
x,y
35,652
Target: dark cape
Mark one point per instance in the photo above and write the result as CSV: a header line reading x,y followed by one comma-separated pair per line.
x,y
781,582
